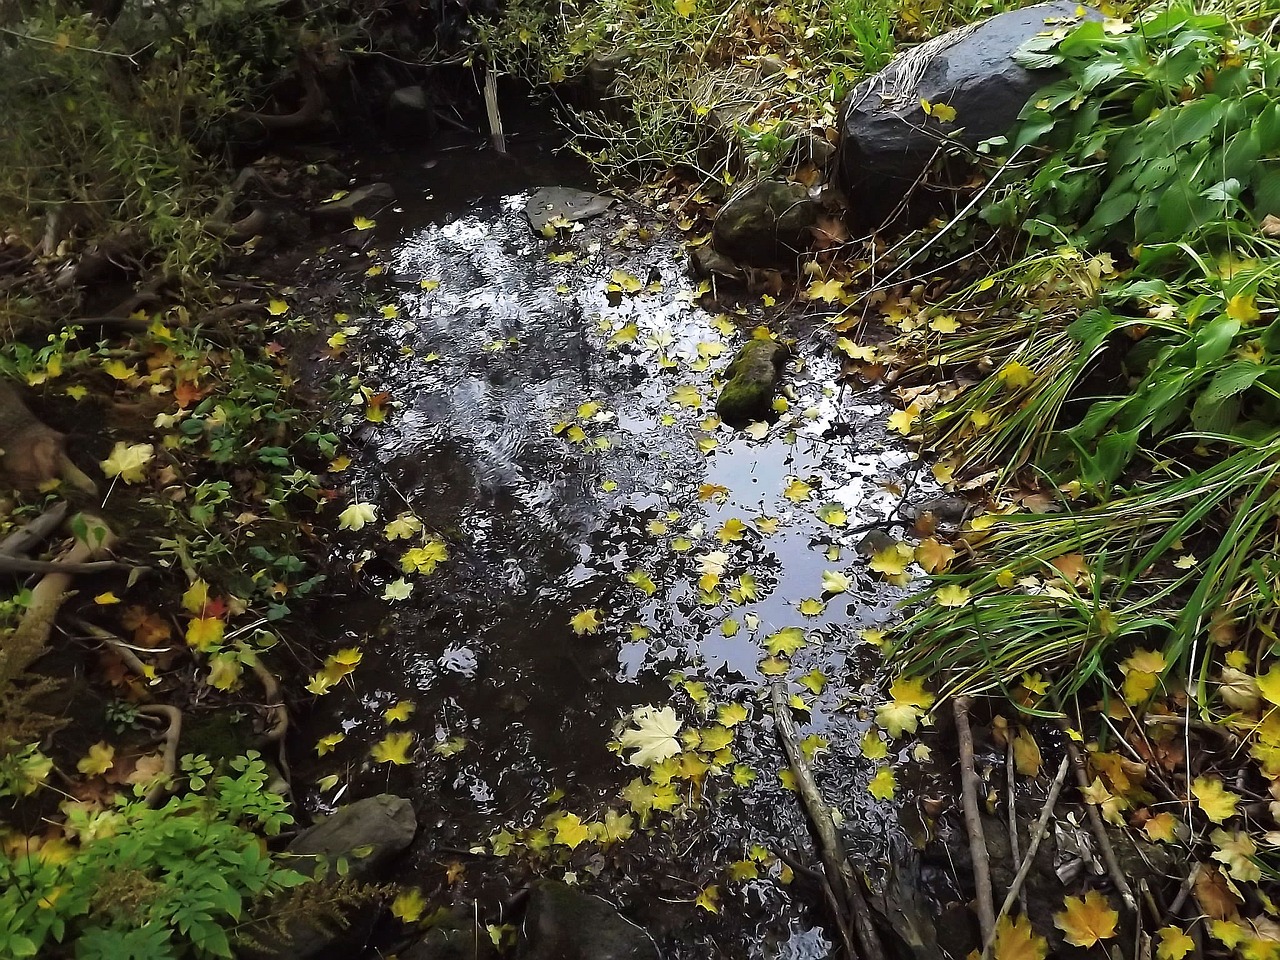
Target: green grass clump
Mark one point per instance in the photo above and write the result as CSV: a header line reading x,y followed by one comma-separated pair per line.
x,y
1131,358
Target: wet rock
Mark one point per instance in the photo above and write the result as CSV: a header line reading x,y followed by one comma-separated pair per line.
x,y
552,203
887,141
410,117
368,833
765,222
562,923
365,201
751,380
452,941
707,262
873,542
811,148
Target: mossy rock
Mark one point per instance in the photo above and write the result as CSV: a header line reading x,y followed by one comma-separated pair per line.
x,y
751,382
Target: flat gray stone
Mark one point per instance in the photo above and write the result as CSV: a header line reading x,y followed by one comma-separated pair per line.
x,y
368,833
563,923
549,203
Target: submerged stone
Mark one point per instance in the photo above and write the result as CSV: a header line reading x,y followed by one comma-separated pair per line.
x,y
765,223
563,923
888,142
751,381
368,833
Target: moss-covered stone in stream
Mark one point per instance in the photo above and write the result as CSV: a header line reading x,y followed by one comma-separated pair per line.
x,y
751,381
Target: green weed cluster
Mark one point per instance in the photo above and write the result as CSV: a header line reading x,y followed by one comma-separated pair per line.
x,y
1135,362
114,133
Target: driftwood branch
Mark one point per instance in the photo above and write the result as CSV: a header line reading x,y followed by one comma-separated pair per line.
x,y
844,887
973,821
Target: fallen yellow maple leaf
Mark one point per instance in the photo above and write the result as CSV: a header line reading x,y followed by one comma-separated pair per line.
x,y
1086,921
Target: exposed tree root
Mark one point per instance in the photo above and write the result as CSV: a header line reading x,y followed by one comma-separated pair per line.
x,y
35,532
172,736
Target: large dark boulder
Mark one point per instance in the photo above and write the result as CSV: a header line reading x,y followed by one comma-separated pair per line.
x,y
765,223
563,923
888,142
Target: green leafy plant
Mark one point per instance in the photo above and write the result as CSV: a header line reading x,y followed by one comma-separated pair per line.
x,y
148,883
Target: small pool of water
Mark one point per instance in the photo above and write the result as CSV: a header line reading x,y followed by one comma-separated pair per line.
x,y
558,437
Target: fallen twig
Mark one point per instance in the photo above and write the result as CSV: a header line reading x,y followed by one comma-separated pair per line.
x,y
1011,801
1099,829
1033,844
171,738
973,822
34,533
121,649
23,565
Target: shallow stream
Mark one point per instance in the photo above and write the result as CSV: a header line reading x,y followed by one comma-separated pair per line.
x,y
559,439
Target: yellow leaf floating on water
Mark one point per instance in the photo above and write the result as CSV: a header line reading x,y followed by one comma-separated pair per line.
x,y
731,530
797,490
626,282
709,898
815,681
833,514
570,830
812,607
357,515
641,580
398,589
424,559
408,905
1016,939
585,621
1086,921
99,759
1218,803
883,785
873,748
327,743
893,559
785,641
835,581
363,223
393,748
653,736
402,527
106,599
399,713
731,714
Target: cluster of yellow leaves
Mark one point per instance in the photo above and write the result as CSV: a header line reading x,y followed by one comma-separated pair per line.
x,y
336,666
574,429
